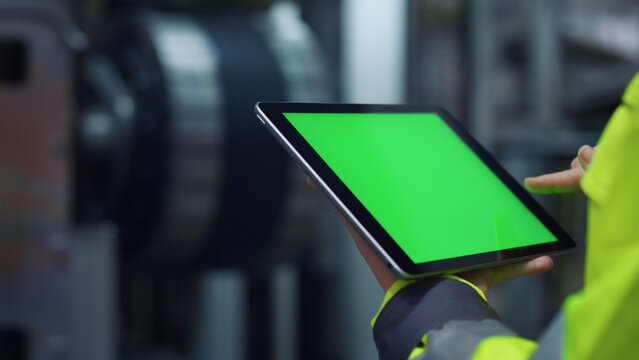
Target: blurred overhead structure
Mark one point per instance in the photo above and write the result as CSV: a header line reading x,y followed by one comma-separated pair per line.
x,y
516,67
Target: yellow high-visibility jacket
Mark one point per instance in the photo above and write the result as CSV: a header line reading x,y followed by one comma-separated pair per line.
x,y
448,318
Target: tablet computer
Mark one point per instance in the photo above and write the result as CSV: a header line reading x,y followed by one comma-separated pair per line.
x,y
416,185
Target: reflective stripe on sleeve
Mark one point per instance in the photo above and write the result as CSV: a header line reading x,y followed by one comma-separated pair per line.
x,y
459,339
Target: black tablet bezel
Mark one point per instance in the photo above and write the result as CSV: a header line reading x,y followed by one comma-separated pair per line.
x,y
366,224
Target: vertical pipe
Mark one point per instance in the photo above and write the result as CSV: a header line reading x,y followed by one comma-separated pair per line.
x,y
93,290
285,311
482,46
221,331
374,50
546,63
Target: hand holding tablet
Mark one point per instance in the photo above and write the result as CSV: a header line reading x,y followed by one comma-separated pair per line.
x,y
415,186
482,278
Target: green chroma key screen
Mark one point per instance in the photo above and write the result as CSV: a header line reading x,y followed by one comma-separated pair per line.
x,y
433,195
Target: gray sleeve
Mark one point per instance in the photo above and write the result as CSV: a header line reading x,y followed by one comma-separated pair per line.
x,y
459,339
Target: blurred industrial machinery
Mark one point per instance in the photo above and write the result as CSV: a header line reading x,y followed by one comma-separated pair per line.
x,y
132,168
